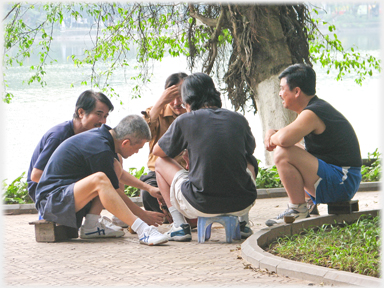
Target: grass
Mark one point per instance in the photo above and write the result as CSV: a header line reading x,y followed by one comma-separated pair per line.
x,y
354,248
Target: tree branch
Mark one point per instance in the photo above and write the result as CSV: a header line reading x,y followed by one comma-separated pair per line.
x,y
14,7
213,42
207,21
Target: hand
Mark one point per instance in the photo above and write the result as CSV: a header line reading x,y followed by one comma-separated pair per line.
x,y
155,192
186,158
153,218
267,140
170,94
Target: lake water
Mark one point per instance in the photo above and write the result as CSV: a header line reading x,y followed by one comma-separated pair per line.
x,y
35,109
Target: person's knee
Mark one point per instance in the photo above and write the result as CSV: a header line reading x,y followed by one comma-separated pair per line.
x,y
159,164
101,181
280,155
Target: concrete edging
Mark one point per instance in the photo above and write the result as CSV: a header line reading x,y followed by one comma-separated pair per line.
x,y
253,252
280,192
16,209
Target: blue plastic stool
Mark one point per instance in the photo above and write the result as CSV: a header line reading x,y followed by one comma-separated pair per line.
x,y
230,223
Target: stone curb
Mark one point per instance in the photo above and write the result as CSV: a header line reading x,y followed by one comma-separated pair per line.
x,y
280,192
16,209
252,251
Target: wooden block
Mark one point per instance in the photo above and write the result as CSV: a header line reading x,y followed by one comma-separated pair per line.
x,y
71,232
346,207
47,231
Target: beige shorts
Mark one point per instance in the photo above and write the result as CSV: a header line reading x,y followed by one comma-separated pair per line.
x,y
182,205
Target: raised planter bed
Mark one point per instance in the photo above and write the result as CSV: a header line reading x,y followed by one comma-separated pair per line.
x,y
253,252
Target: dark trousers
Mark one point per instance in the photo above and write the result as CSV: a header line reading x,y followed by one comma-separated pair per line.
x,y
150,203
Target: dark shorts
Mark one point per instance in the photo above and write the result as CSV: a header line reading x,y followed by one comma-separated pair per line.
x,y
59,207
150,178
336,184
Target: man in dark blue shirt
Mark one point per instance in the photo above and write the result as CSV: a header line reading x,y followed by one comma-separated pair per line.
x,y
82,177
92,110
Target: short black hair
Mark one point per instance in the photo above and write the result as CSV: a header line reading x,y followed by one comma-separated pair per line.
x,y
302,76
87,100
174,79
198,91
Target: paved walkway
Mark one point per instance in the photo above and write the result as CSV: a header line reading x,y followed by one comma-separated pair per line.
x,y
124,262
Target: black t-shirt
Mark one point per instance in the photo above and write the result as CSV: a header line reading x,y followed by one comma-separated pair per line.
x,y
219,142
338,144
78,157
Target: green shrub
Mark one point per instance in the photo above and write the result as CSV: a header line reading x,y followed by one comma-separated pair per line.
x,y
133,191
372,173
17,191
268,178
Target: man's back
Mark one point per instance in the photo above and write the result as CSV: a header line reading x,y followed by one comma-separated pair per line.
x,y
44,149
338,144
76,158
219,142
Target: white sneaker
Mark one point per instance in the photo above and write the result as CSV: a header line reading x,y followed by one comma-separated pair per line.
x,y
108,223
182,234
116,221
301,212
152,236
99,231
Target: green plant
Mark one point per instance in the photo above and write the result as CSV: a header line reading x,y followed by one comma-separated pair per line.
x,y
16,192
133,191
348,247
268,178
373,172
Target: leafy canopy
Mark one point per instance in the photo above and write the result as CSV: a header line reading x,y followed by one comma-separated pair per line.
x,y
204,33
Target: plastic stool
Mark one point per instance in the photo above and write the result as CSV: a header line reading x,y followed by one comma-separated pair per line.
x,y
230,223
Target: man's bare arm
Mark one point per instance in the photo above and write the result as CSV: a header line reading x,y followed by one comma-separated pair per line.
x,y
36,175
305,123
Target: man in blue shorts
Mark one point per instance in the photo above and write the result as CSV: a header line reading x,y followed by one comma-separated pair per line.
x,y
328,168
83,176
92,110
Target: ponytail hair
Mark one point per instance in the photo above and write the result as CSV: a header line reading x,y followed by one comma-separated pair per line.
x,y
198,91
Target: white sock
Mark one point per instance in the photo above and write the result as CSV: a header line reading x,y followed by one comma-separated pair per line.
x,y
139,226
91,220
244,218
298,207
177,217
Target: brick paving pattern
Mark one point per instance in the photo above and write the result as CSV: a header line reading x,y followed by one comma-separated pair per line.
x,y
125,262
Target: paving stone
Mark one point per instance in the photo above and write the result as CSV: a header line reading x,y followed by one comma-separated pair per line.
x,y
125,262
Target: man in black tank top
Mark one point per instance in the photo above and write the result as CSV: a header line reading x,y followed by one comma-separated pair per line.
x,y
328,166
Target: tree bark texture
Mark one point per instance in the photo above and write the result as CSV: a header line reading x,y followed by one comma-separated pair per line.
x,y
266,39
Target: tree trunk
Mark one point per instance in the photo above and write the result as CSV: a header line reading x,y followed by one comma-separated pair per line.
x,y
266,39
273,56
271,111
